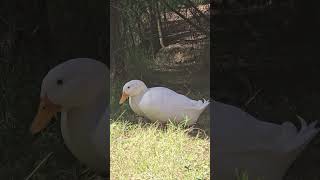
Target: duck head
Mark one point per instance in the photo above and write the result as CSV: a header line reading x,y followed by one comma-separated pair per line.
x,y
74,83
131,89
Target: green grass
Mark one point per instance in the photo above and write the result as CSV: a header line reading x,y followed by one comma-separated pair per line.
x,y
243,175
145,151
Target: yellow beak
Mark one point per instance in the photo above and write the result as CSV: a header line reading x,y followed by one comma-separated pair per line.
x,y
46,111
124,97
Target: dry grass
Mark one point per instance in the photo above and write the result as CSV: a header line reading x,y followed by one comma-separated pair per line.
x,y
148,152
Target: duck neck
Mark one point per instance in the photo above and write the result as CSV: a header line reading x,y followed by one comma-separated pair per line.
x,y
138,97
78,126
135,100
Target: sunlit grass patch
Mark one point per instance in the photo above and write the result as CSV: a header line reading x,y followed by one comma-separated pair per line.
x,y
148,152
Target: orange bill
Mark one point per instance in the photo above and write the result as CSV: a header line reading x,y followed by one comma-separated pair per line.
x,y
47,110
124,97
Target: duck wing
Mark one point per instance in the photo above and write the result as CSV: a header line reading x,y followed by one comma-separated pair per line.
x,y
164,97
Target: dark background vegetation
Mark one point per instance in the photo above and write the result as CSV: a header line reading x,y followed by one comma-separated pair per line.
x,y
34,37
37,35
161,42
269,51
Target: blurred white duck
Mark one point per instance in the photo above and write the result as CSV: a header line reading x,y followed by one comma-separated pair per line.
x,y
161,104
78,89
261,149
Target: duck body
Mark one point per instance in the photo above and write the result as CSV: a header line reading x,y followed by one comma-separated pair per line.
x,y
260,149
78,89
162,104
87,139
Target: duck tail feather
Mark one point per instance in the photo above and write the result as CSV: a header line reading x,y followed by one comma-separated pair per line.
x,y
204,103
303,136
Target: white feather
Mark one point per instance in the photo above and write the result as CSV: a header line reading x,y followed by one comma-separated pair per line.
x,y
264,150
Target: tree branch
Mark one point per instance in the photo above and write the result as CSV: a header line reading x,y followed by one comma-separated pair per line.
x,y
199,28
198,10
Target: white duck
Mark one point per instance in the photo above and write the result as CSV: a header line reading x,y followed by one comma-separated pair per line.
x,y
78,89
261,149
160,103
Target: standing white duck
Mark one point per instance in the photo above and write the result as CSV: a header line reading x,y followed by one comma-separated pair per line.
x,y
78,89
261,149
161,104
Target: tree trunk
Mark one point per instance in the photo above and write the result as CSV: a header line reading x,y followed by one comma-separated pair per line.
x,y
153,28
116,58
158,13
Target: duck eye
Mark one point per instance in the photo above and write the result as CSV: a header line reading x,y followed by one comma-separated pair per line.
x,y
59,81
128,87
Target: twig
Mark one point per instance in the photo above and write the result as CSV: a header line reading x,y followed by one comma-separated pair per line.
x,y
38,166
252,98
189,91
121,115
249,10
95,177
84,172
